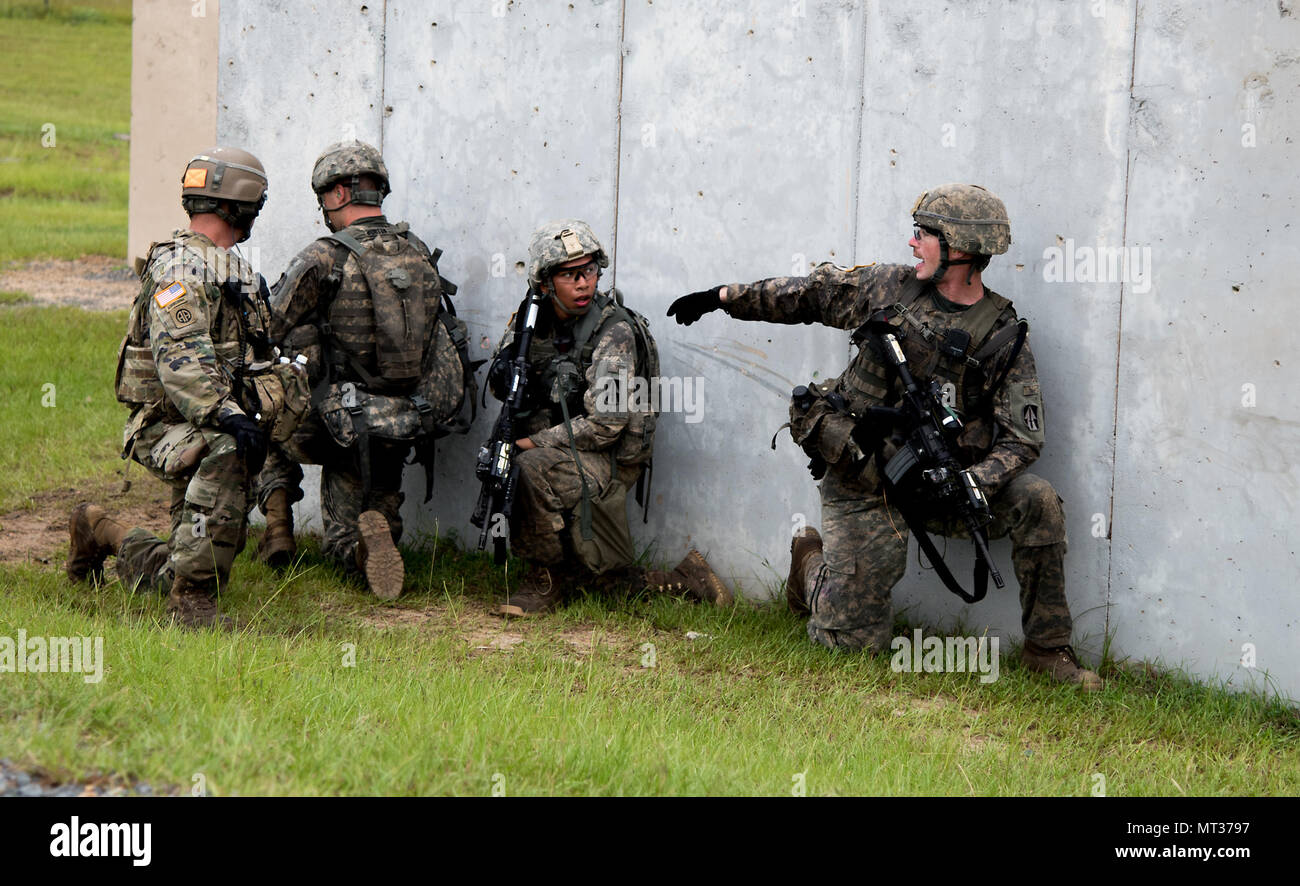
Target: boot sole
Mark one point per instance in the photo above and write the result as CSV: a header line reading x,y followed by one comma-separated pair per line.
x,y
384,569
722,595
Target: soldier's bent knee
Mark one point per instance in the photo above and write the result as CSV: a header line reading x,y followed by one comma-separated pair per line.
x,y
1044,516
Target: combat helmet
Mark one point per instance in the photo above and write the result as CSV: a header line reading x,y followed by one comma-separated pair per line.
x,y
221,175
967,217
557,242
351,160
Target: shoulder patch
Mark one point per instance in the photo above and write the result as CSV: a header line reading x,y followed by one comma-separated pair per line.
x,y
182,314
166,296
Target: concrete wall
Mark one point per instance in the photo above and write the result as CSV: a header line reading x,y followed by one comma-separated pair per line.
x,y
173,109
709,144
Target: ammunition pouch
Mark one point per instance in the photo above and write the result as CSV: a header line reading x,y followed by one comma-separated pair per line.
x,y
822,431
283,398
349,411
136,381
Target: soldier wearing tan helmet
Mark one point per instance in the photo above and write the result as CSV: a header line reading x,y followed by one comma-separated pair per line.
x,y
388,360
968,339
579,453
191,369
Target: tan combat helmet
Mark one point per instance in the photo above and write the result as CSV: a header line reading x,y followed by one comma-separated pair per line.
x,y
967,217
350,160
219,177
557,242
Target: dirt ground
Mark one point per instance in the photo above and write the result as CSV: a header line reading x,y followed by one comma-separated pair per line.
x,y
94,282
39,532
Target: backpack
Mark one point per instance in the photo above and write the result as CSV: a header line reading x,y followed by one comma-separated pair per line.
x,y
417,394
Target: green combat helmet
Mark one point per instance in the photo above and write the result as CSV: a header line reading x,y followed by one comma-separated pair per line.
x,y
350,160
557,242
967,217
220,176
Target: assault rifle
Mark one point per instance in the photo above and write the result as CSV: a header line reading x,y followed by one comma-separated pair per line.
x,y
925,472
496,468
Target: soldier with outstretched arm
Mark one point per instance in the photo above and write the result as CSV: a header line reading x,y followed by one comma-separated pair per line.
x,y
967,338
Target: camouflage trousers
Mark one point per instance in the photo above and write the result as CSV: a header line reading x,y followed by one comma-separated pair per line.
x,y
864,554
209,508
548,491
342,489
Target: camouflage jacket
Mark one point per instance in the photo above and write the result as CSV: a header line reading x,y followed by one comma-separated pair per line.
x,y
1004,428
602,415
324,287
190,329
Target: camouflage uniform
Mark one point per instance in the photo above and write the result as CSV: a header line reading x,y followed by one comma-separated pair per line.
x,y
865,539
327,272
177,370
549,487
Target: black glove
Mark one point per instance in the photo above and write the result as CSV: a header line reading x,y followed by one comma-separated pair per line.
x,y
689,308
250,440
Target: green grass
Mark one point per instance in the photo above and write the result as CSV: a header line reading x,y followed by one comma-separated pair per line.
x,y
9,297
272,710
560,705
62,423
70,11
64,97
570,709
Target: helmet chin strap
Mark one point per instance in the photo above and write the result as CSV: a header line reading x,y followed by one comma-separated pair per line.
x,y
241,219
945,263
355,195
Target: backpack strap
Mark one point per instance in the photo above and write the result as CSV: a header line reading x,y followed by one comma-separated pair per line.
x,y
587,348
1019,331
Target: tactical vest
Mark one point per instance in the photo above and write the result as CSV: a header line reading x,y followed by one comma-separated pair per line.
x,y
137,383
951,348
564,375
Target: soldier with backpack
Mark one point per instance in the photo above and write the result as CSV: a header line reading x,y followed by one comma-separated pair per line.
x,y
583,443
388,363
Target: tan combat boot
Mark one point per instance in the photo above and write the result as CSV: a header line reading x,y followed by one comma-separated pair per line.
x,y
277,547
1061,664
806,542
694,576
94,536
541,591
378,558
192,606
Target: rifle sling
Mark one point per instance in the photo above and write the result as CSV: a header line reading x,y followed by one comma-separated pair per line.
x,y
927,545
